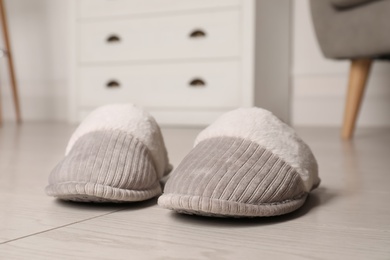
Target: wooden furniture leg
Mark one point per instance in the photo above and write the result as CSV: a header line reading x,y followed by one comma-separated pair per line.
x,y
3,20
358,75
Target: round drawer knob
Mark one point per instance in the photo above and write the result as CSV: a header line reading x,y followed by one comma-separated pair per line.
x,y
197,82
113,84
113,39
198,33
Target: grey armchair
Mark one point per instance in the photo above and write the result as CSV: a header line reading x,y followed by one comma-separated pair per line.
x,y
358,30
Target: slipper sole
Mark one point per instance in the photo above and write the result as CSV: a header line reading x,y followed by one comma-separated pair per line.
x,y
195,205
92,192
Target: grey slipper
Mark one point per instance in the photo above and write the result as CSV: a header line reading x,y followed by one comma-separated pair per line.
x,y
246,164
117,154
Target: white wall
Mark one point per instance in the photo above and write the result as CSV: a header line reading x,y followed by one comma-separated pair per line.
x,y
38,36
39,39
319,85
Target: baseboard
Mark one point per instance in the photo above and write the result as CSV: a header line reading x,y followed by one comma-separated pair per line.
x,y
36,108
319,100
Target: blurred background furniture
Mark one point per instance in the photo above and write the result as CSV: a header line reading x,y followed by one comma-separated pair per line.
x,y
187,62
357,30
7,52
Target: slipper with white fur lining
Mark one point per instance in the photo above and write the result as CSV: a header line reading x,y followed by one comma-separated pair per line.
x,y
117,154
246,164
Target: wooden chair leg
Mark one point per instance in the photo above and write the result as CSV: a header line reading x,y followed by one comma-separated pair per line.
x,y
358,75
10,61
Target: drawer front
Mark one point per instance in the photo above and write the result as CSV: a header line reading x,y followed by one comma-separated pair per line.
x,y
206,35
107,8
184,85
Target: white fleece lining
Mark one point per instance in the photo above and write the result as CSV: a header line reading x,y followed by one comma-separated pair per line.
x,y
262,127
131,119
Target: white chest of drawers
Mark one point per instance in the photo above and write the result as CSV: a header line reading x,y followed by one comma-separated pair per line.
x,y
185,61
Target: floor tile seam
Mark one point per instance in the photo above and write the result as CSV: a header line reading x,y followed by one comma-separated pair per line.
x,y
60,227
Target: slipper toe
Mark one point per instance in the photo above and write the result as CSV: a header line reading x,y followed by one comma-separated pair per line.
x,y
238,173
109,159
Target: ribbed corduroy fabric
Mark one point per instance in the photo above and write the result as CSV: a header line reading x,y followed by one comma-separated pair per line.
x,y
228,176
109,165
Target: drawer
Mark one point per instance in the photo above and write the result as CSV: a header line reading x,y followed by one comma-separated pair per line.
x,y
205,35
107,8
184,85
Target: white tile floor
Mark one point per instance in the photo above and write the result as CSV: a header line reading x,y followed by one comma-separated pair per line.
x,y
348,217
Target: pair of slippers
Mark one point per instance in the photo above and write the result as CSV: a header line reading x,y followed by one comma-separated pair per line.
x,y
246,164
